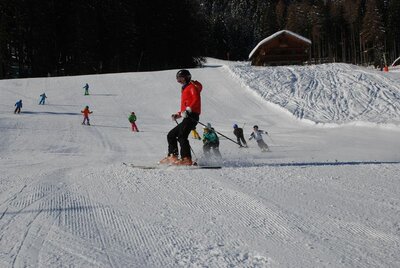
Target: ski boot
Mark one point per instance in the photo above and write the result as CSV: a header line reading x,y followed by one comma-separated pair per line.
x,y
186,161
168,160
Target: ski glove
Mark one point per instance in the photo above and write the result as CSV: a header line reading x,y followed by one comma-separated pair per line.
x,y
175,116
187,112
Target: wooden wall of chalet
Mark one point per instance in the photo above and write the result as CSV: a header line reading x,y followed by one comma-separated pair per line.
x,y
282,50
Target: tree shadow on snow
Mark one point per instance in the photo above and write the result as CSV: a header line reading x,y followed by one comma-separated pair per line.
x,y
49,210
70,105
110,126
104,94
211,65
52,113
312,164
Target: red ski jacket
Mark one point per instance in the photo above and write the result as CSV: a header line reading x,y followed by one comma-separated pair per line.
x,y
190,97
86,112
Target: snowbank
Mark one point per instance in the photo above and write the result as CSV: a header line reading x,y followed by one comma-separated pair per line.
x,y
327,93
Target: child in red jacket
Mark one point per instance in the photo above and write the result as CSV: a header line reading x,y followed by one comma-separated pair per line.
x,y
86,113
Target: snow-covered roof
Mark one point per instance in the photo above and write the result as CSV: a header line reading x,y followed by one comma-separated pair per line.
x,y
275,35
396,62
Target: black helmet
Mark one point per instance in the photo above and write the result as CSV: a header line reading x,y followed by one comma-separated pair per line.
x,y
185,74
255,126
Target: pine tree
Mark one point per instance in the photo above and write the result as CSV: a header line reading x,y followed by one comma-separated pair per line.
x,y
298,19
265,21
373,32
280,11
336,31
394,29
353,13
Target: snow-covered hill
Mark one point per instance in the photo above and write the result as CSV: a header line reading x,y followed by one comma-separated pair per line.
x,y
323,197
327,93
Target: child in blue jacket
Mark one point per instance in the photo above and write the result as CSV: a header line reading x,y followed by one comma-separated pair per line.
x,y
43,97
18,106
86,87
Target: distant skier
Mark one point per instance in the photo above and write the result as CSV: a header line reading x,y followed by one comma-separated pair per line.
x,y
257,135
86,87
18,106
238,132
43,97
190,111
132,120
210,142
86,113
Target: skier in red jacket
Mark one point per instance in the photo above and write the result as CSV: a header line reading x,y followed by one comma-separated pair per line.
x,y
190,111
86,113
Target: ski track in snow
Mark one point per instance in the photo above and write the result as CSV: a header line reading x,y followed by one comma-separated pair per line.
x,y
333,93
323,197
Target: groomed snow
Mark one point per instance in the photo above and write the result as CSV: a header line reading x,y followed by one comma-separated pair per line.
x,y
327,195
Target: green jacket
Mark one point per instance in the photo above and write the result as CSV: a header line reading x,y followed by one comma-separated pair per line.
x,y
210,137
132,118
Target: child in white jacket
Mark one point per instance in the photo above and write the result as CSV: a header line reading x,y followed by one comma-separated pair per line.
x,y
257,135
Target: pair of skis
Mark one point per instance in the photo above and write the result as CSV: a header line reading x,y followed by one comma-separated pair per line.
x,y
158,166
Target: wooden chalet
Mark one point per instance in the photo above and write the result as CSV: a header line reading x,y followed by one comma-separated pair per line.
x,y
281,48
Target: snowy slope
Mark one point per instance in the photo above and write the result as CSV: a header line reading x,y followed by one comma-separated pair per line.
x,y
323,197
327,93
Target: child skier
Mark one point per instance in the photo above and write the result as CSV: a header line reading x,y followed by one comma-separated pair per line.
x,y
18,106
210,141
239,135
132,120
257,135
86,87
43,97
86,113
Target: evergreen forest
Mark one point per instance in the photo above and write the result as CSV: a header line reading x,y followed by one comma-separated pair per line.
x,y
75,37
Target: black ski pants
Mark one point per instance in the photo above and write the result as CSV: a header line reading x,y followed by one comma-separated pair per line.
x,y
241,138
180,134
207,147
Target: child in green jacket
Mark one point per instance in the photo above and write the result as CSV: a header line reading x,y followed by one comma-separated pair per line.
x,y
132,120
210,141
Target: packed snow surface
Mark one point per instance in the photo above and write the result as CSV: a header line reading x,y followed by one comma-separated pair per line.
x,y
329,93
326,195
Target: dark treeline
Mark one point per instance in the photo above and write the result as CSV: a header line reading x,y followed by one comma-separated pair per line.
x,y
70,37
60,37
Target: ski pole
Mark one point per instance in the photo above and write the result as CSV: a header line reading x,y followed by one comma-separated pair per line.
x,y
270,137
220,134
